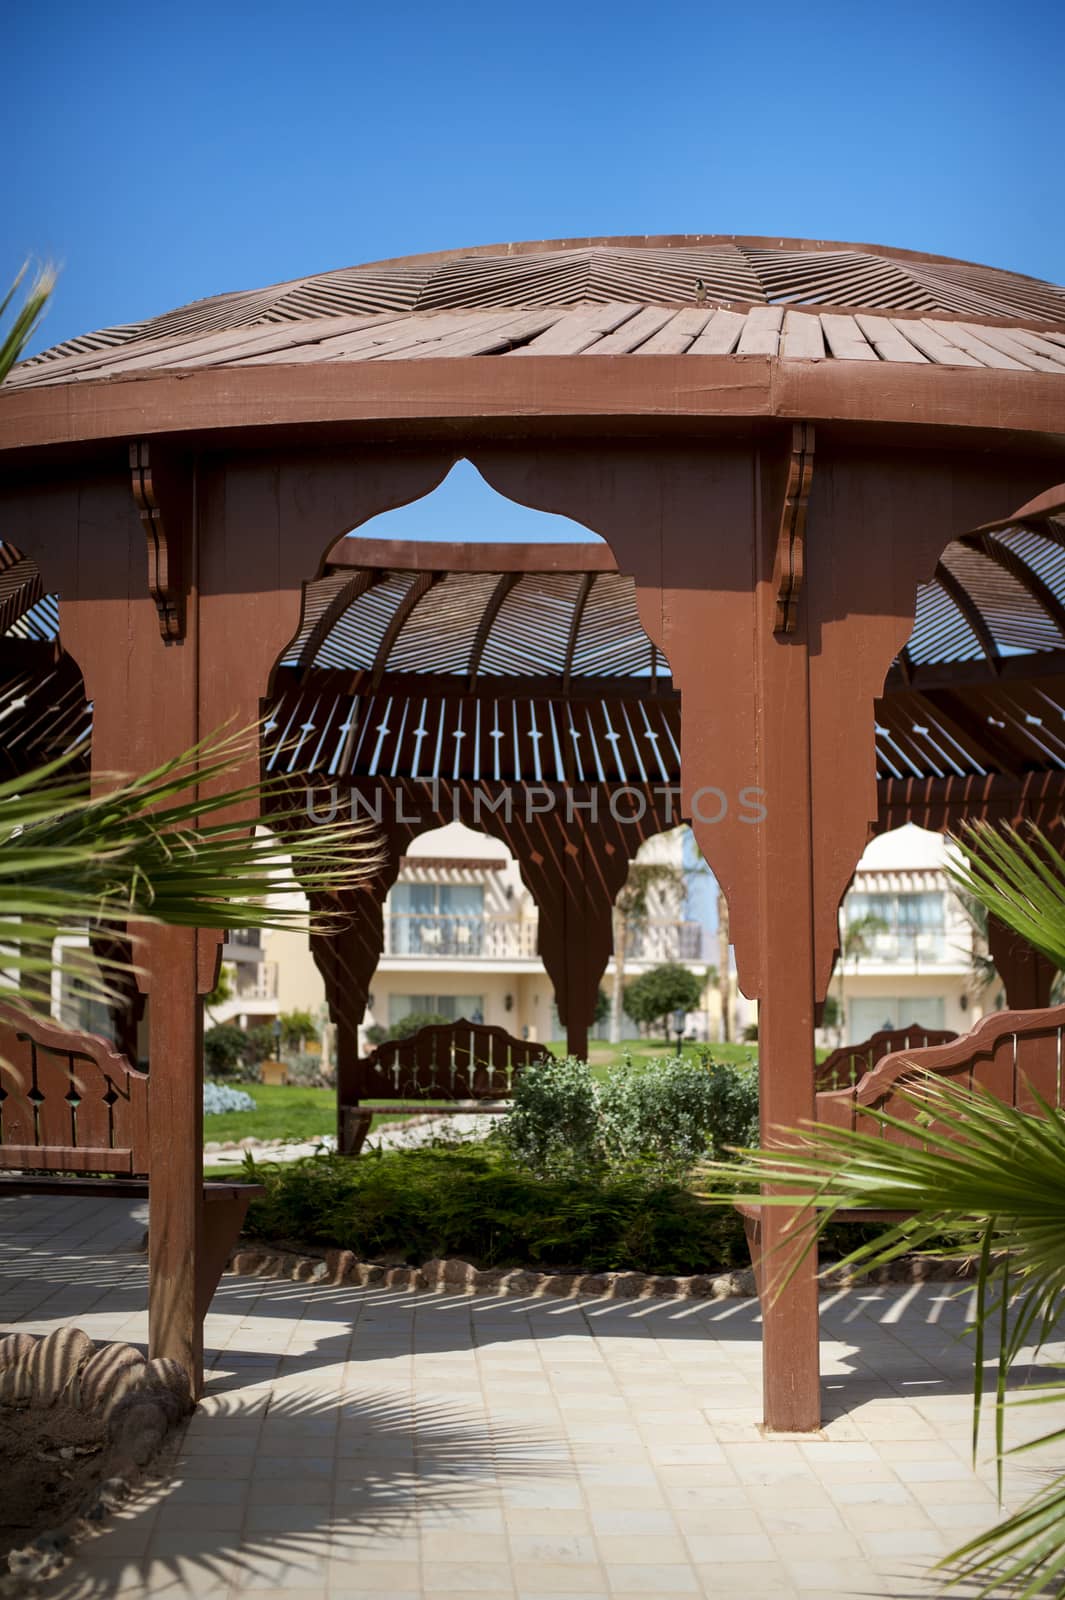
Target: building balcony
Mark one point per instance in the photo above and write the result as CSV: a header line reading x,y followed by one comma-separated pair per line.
x,y
914,950
443,936
258,982
430,935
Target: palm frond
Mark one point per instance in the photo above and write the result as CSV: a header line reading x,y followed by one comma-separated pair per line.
x,y
992,1179
1018,877
18,335
170,846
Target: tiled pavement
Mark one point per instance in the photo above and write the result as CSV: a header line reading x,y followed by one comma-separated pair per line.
x,y
372,1443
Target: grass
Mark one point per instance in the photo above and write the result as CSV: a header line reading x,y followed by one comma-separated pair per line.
x,y
281,1112
293,1112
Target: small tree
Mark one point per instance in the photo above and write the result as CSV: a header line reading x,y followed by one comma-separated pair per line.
x,y
298,1028
855,940
661,991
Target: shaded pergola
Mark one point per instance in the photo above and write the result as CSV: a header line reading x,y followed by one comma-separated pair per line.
x,y
829,482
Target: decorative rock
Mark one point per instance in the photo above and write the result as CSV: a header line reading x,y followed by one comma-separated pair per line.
x,y
105,1375
628,1285
56,1362
248,1262
593,1283
169,1375
14,1346
457,1274
488,1278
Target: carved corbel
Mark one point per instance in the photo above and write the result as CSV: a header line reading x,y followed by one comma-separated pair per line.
x,y
162,492
789,565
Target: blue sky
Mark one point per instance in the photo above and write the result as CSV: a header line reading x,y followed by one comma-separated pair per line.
x,y
164,153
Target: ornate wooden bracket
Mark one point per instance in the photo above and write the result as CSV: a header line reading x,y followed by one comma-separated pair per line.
x,y
789,566
163,494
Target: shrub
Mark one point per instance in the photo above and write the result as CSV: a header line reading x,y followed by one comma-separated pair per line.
x,y
259,1044
223,1049
662,1113
734,1106
413,1021
219,1097
298,1028
554,1125
666,1114
473,1202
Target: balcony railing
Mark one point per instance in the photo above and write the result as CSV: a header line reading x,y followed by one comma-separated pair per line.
x,y
495,938
479,938
665,939
909,948
257,982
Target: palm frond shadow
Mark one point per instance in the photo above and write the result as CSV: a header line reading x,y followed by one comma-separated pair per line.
x,y
382,1462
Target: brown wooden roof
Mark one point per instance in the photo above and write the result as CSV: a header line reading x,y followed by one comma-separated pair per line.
x,y
799,300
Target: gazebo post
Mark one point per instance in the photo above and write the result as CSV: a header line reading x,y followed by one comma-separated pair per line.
x,y
176,1232
1027,976
785,874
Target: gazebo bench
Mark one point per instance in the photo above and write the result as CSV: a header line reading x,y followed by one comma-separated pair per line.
x,y
1014,1055
468,1067
74,1121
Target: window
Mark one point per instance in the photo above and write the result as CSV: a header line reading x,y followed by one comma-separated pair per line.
x,y
866,1017
914,925
434,919
451,1006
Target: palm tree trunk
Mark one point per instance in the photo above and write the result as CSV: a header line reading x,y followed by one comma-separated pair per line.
x,y
618,991
724,978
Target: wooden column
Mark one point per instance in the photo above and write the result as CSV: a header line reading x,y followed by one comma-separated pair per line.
x,y
1027,976
787,983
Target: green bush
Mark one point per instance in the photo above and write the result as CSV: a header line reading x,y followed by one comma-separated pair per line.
x,y
413,1021
665,1115
223,1050
475,1203
554,1125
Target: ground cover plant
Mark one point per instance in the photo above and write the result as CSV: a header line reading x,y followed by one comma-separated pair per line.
x,y
587,1172
476,1203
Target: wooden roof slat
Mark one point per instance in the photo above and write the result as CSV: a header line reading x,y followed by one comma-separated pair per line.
x,y
720,335
888,339
1002,340
802,339
579,329
760,335
1041,343
845,338
633,333
959,333
489,337
969,610
675,336
488,617
934,345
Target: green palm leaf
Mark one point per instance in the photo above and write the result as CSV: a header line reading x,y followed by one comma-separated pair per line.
x,y
161,848
992,1179
29,314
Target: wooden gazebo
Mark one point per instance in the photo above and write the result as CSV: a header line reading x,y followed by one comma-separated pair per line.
x,y
830,597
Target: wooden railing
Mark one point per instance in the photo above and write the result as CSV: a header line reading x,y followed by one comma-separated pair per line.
x,y
850,1063
68,1101
1015,1055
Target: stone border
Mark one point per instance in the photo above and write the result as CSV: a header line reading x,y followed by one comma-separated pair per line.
x,y
332,1268
141,1401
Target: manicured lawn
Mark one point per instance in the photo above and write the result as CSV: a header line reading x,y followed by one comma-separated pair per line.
x,y
292,1112
281,1112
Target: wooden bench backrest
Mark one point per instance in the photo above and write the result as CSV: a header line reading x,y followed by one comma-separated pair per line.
x,y
849,1064
444,1061
68,1101
1009,1053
